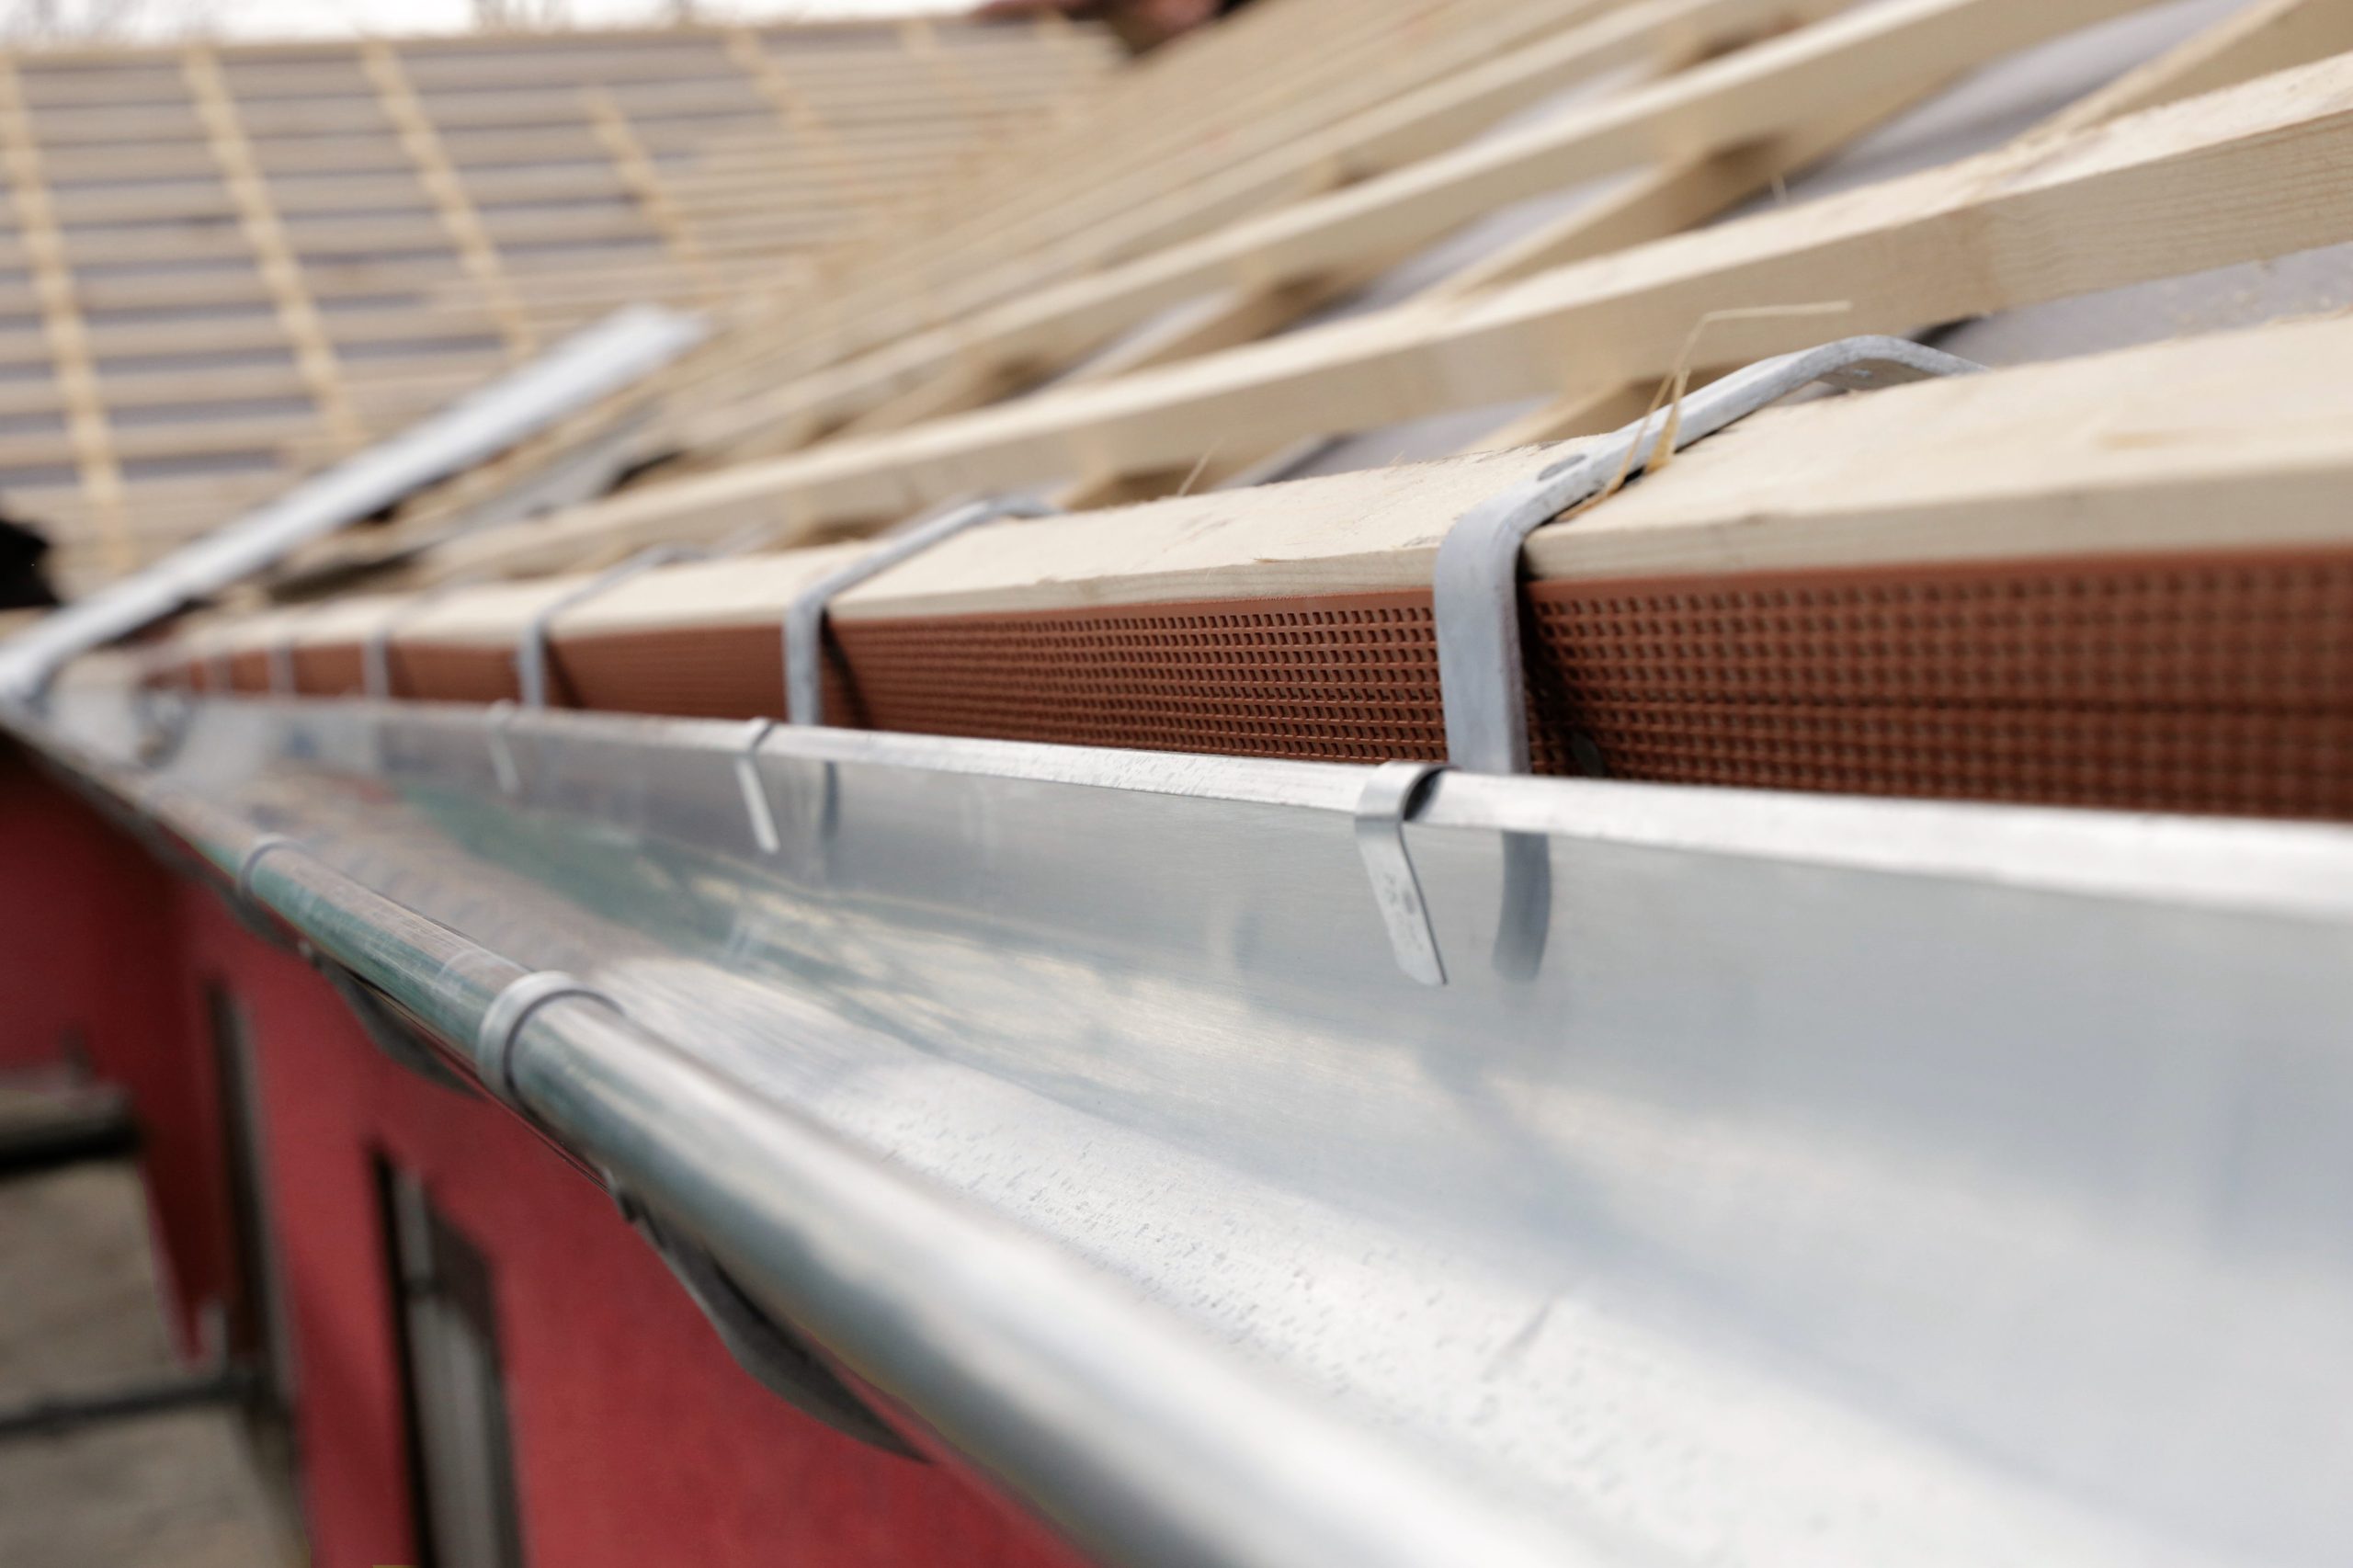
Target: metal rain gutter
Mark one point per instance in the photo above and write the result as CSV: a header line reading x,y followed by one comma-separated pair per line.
x,y
1135,1438
1073,1101
1401,1158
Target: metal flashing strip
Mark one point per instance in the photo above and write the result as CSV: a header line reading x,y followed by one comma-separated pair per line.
x,y
1475,591
605,357
804,618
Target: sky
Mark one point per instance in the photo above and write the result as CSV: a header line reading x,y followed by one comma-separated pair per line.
x,y
313,18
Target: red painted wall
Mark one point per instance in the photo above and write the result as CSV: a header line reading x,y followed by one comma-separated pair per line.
x,y
69,887
90,964
637,1442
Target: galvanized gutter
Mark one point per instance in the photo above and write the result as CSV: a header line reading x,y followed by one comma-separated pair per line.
x,y
1898,1166
1135,1438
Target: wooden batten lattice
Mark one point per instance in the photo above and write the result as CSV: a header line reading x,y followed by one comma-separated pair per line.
x,y
229,263
1113,306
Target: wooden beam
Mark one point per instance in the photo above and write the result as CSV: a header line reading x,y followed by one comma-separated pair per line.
x,y
643,181
1335,113
65,331
1183,114
1649,207
1663,201
1263,79
2258,170
797,114
1687,191
1186,113
2270,36
1390,137
394,219
422,142
1770,89
2267,36
275,259
2236,442
1029,274
1287,149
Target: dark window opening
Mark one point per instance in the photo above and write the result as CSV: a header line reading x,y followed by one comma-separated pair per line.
x,y
255,1326
256,1338
460,1461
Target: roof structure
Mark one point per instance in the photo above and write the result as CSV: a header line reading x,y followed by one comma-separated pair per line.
x,y
1227,808
226,266
1401,169
1502,235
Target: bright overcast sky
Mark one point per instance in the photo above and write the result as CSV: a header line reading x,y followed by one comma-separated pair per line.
x,y
286,18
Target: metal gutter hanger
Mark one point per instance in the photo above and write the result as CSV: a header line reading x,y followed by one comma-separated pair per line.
x,y
1476,592
804,619
532,650
1475,601
376,652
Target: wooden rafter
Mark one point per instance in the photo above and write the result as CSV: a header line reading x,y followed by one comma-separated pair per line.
x,y
274,260
2270,36
2243,174
231,265
1252,88
1389,138
1770,90
2266,36
66,335
2236,442
643,181
799,116
422,142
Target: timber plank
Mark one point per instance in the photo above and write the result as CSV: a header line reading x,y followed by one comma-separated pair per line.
x,y
2255,170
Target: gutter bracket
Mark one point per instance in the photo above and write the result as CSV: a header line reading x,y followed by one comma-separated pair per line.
x,y
531,649
756,805
1476,589
376,651
495,721
804,619
278,660
1390,798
